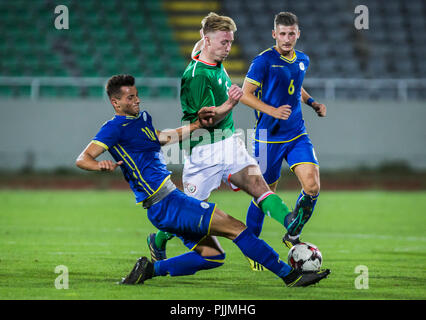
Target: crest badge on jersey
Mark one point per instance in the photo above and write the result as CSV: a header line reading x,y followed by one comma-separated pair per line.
x,y
302,66
204,205
190,187
144,116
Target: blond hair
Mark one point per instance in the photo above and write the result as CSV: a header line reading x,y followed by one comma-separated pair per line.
x,y
214,22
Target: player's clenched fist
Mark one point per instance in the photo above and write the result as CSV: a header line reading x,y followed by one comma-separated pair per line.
x,y
206,115
108,165
320,109
282,112
235,93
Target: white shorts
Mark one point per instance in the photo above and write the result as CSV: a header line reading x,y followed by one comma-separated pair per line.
x,y
210,164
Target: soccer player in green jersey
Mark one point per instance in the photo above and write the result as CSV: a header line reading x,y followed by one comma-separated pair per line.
x,y
218,154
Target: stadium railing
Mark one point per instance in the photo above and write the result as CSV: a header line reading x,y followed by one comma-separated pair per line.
x,y
328,88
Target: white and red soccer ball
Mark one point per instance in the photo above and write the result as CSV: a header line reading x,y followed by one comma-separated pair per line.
x,y
305,256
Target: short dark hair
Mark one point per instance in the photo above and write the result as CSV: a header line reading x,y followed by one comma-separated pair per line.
x,y
286,19
113,87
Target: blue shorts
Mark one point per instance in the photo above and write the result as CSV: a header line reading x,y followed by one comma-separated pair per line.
x,y
297,151
183,216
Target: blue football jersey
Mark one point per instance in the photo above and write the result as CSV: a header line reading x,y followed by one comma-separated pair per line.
x,y
134,141
279,82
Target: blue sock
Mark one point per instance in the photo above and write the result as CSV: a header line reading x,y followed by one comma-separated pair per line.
x,y
187,264
259,251
254,219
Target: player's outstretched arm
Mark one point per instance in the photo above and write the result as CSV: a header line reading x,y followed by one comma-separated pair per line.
x,y
319,108
205,119
282,112
87,159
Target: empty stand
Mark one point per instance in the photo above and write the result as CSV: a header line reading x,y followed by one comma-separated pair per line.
x,y
392,47
152,38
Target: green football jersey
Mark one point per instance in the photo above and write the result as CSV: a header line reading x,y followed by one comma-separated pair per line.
x,y
203,85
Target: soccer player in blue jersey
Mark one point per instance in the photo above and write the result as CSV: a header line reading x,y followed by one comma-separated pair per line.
x,y
135,146
273,87
220,155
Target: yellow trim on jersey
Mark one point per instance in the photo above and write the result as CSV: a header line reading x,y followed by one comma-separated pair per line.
x,y
291,60
254,202
103,145
259,94
211,218
133,117
281,141
274,181
130,166
291,168
125,160
212,260
256,83
137,169
269,49
161,185
133,169
197,243
208,230
257,120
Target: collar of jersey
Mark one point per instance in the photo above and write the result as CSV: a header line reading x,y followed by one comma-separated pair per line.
x,y
196,58
128,117
284,58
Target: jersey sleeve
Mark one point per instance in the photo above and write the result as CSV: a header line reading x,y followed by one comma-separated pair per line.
x,y
150,124
107,136
308,61
257,71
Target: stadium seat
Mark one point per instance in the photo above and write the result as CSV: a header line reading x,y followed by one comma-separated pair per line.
x,y
333,36
139,37
126,37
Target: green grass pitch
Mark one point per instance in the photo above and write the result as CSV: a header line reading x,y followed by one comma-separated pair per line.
x,y
98,235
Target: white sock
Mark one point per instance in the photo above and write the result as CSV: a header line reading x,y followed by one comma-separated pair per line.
x,y
263,196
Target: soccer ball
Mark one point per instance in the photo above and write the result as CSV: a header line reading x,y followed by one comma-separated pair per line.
x,y
305,256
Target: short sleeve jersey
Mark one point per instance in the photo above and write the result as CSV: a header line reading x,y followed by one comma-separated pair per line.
x,y
279,82
134,141
204,84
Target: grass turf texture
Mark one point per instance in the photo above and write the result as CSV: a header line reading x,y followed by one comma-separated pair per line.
x,y
99,235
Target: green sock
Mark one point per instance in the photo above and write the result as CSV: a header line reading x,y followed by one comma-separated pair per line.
x,y
161,239
274,207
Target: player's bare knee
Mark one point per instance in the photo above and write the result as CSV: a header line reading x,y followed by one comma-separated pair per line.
x,y
312,188
257,185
